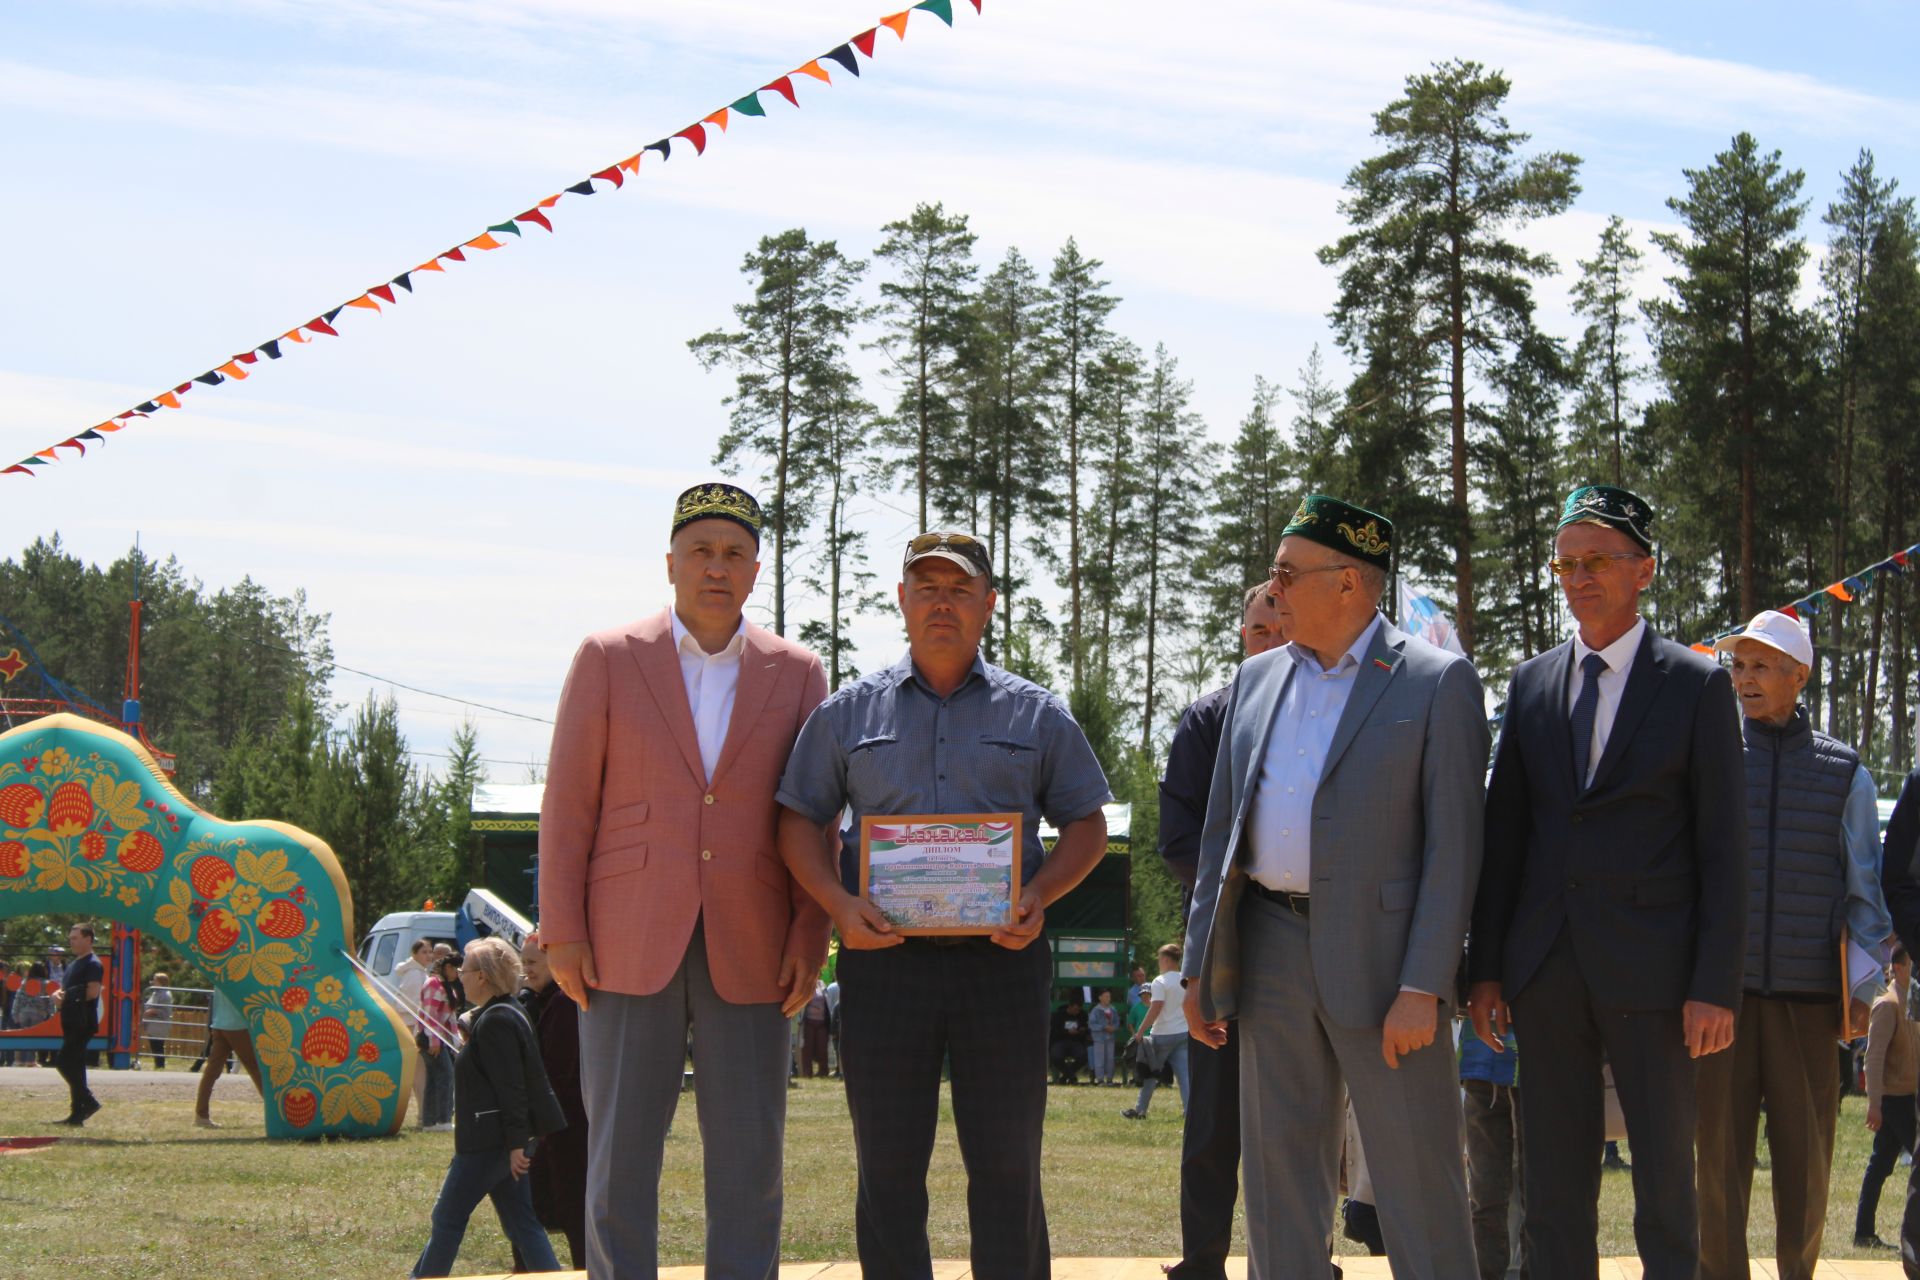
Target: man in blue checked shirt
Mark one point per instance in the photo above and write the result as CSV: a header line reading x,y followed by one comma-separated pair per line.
x,y
944,732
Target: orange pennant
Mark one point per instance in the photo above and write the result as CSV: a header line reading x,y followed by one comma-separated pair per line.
x,y
108,426
898,22
484,240
294,335
549,202
815,70
431,264
1839,592
719,117
48,453
364,303
631,164
168,399
233,370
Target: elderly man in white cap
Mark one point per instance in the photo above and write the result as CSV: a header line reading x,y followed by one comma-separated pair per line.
x,y
1813,879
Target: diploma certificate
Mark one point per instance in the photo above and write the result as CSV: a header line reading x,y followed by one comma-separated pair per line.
x,y
942,873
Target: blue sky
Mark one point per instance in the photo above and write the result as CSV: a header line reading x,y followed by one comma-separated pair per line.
x,y
471,481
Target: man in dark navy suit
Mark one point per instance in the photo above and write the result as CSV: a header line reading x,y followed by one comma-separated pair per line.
x,y
1611,916
1210,1146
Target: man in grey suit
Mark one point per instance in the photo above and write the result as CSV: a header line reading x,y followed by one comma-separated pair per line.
x,y
1337,865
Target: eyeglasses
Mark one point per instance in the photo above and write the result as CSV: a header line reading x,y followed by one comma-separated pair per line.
x,y
1283,577
977,555
928,541
1597,562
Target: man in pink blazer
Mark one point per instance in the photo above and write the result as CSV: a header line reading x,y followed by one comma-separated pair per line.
x,y
663,900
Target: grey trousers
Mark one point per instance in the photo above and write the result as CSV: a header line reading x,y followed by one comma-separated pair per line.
x,y
632,1053
1294,1061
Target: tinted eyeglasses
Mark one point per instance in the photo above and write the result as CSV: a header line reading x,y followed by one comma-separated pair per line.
x,y
965,545
1283,577
1596,563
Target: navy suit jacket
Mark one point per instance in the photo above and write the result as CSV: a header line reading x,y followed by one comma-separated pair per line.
x,y
1189,779
1647,868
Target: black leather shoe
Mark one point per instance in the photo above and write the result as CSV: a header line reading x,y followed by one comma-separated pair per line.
x,y
1871,1240
89,1111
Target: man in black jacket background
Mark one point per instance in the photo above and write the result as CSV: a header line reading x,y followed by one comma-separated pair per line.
x,y
1210,1146
1902,892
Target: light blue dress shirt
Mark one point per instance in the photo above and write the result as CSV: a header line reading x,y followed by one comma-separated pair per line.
x,y
1868,923
1280,823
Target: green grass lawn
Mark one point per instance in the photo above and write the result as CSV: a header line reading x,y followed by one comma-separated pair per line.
x,y
141,1193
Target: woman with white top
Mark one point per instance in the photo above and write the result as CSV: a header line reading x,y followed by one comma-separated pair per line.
x,y
1165,1032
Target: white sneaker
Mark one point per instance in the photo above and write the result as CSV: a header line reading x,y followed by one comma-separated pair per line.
x,y
437,1128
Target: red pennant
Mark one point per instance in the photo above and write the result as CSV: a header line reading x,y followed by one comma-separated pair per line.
x,y
534,215
612,174
384,292
1900,557
72,444
318,325
697,136
183,388
864,41
1791,612
976,7
17,468
784,87
250,357
454,255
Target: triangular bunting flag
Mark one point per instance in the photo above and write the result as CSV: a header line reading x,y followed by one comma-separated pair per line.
x,y
717,118
148,406
364,303
234,371
334,314
247,357
91,434
784,87
941,9
697,136
484,240
384,292
48,453
322,325
72,443
404,280
1702,648
16,468
213,379
897,22
183,388
631,164
169,399
1791,612
454,255
534,215
582,188
549,202
106,426
749,105
977,8
844,56
432,264
507,226
272,349
864,41
815,70
612,174
296,336
664,147
1839,591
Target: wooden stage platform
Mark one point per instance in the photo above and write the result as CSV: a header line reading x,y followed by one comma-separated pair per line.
x,y
1149,1269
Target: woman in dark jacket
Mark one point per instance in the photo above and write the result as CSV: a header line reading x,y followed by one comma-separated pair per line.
x,y
501,1101
560,1164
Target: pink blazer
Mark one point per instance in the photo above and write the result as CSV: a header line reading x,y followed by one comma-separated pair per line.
x,y
637,844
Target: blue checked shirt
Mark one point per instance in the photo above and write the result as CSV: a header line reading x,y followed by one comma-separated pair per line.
x,y
888,744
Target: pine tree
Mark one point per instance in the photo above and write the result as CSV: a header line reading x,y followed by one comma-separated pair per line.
x,y
1115,387
924,315
1175,466
1734,349
1008,367
1076,310
1431,216
836,438
1253,494
801,314
1603,365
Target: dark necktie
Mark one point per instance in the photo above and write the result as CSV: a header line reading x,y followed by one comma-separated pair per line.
x,y
1585,708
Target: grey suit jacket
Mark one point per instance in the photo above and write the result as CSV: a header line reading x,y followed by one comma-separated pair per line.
x,y
1396,830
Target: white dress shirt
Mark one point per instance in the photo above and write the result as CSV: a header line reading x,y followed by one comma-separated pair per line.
x,y
1280,824
712,680
1613,682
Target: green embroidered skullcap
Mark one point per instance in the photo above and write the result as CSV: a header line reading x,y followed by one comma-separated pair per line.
x,y
718,501
1613,507
1365,535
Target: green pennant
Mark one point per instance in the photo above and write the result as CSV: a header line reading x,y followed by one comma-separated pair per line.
x,y
749,105
941,9
1865,577
506,226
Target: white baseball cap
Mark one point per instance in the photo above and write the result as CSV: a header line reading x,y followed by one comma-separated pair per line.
x,y
1775,630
